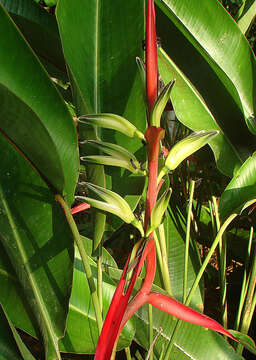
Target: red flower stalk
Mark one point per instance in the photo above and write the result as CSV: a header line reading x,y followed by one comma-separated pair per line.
x,y
151,57
153,136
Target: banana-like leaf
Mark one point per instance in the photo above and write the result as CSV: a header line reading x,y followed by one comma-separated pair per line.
x,y
33,115
230,148
40,30
104,75
11,345
241,190
221,44
39,245
247,16
81,333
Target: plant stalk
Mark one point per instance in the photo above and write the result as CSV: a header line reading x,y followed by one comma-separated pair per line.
x,y
245,282
189,217
250,302
85,259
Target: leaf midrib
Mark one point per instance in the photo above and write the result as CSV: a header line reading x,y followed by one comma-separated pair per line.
x,y
30,277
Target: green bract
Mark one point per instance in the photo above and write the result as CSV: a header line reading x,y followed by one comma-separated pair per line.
x,y
118,156
112,121
158,211
185,148
161,103
114,204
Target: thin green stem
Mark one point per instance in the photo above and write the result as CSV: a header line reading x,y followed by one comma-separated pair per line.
x,y
128,353
158,251
99,275
189,217
208,256
249,302
197,280
151,331
222,265
245,282
165,268
85,259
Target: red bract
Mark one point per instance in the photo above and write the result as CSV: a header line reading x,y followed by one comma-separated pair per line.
x,y
79,208
151,57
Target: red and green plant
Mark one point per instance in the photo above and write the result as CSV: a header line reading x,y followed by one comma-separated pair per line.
x,y
66,74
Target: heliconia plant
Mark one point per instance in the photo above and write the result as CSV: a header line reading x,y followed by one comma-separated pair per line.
x,y
122,308
99,173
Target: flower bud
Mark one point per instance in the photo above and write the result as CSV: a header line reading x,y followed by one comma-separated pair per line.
x,y
158,211
112,203
118,156
185,148
112,121
160,104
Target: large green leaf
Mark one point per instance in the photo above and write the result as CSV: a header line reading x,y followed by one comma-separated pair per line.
x,y
11,345
104,76
192,111
39,28
33,115
175,232
193,342
82,334
247,16
39,244
240,190
213,33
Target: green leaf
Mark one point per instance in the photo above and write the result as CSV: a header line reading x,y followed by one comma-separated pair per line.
x,y
105,77
191,343
221,45
35,235
9,340
245,340
230,148
33,115
248,15
11,345
82,334
241,190
40,30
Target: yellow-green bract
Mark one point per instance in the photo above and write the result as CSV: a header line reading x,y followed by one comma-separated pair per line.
x,y
158,211
112,121
112,203
118,156
160,104
185,148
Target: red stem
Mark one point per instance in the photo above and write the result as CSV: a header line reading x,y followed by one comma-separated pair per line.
x,y
151,56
